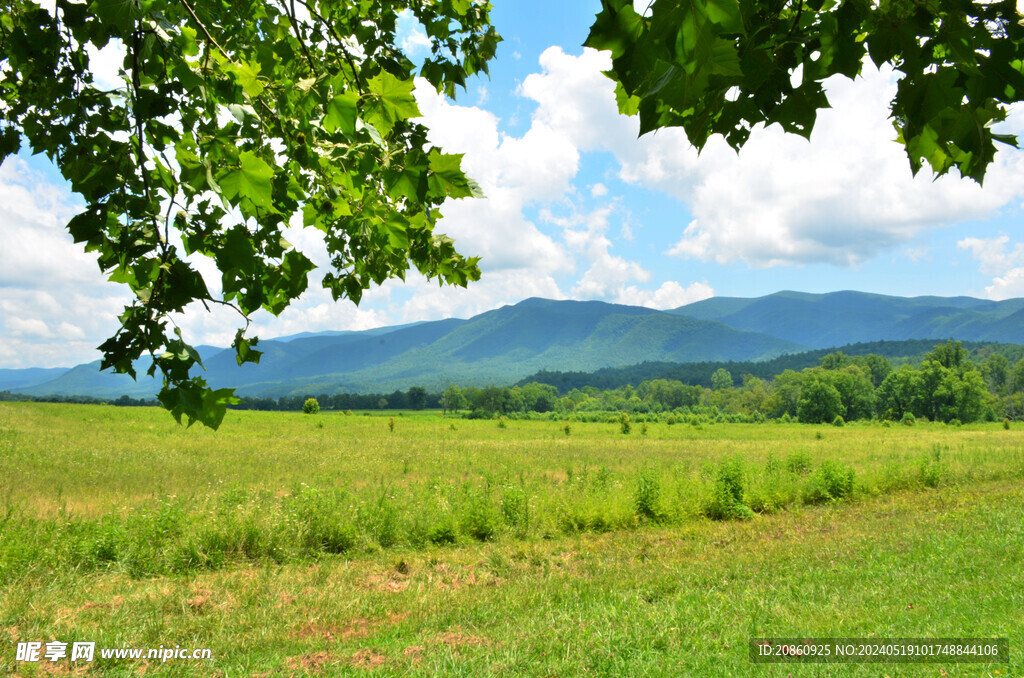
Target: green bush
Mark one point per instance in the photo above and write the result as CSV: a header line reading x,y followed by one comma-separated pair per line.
x,y
1006,424
515,507
908,419
443,531
838,421
480,519
726,501
832,481
647,496
311,406
624,425
799,462
932,469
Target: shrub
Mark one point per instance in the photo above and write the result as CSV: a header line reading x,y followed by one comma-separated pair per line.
x,y
727,493
443,531
391,424
502,423
515,508
908,419
798,462
647,496
955,422
480,519
643,429
311,406
624,425
832,481
567,429
1006,424
932,469
838,421
671,421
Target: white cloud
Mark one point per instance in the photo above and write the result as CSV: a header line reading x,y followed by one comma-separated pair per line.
x,y
996,259
106,63
917,254
513,173
598,190
670,295
411,36
841,199
992,253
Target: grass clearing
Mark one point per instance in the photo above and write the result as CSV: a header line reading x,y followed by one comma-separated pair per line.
x,y
929,543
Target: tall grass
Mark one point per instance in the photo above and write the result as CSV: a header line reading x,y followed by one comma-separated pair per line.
x,y
130,491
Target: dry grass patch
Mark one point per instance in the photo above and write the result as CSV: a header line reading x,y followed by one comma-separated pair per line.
x,y
312,662
367,659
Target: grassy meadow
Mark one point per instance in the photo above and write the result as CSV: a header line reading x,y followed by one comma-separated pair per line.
x,y
412,544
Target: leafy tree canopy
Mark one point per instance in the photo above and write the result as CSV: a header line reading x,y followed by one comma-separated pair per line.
x,y
231,121
724,66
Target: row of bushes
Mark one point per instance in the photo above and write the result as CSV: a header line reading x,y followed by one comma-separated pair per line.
x,y
179,535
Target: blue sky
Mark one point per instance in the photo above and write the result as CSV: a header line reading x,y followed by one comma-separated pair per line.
x,y
578,207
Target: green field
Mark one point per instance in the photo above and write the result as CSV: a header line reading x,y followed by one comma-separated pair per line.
x,y
332,544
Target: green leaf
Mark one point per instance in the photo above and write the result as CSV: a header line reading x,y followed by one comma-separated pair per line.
x,y
247,76
340,112
251,180
392,101
446,177
120,13
725,14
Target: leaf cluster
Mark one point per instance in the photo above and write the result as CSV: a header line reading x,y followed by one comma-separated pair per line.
x,y
230,122
726,66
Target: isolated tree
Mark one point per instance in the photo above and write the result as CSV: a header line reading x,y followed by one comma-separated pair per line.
x,y
452,399
417,397
231,120
725,66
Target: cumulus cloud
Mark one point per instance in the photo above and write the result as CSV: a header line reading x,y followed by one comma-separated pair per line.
x,y
1003,262
670,295
841,199
411,36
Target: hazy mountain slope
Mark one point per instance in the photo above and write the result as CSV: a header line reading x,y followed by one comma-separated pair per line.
x,y
823,320
509,343
24,378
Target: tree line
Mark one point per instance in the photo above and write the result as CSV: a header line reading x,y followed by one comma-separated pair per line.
x,y
946,385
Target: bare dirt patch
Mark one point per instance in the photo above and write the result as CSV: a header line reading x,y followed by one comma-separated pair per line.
x,y
368,659
456,638
309,663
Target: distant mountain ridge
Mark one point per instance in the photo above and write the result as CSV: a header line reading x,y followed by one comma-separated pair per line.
x,y
507,344
498,346
837,318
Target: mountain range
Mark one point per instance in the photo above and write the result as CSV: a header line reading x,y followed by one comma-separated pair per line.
x,y
506,344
